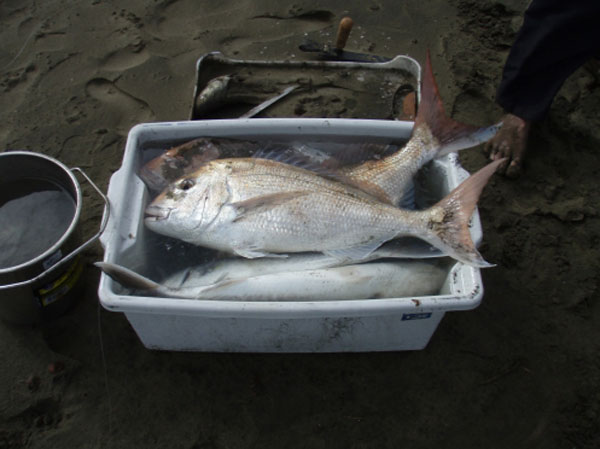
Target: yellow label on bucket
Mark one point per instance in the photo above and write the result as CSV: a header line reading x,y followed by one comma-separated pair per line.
x,y
58,288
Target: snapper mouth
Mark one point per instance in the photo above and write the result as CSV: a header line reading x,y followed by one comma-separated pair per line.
x,y
156,213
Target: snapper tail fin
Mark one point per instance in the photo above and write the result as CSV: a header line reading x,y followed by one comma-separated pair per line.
x,y
451,135
449,218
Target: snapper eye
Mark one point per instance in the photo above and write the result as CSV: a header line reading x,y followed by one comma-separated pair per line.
x,y
187,184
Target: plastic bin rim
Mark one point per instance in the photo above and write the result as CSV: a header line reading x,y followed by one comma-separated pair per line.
x,y
284,125
279,309
286,309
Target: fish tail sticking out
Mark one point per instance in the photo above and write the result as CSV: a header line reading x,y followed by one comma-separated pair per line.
x,y
450,135
147,287
129,278
448,220
140,284
434,135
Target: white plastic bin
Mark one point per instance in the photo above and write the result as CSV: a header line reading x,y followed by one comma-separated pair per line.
x,y
388,324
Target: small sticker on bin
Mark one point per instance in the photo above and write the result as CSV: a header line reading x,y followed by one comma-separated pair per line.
x,y
416,316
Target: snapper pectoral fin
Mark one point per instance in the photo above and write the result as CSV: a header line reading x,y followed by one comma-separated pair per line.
x,y
262,203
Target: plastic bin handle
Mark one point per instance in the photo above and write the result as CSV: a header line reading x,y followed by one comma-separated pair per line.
x,y
83,246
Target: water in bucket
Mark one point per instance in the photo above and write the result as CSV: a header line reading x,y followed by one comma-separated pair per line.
x,y
34,214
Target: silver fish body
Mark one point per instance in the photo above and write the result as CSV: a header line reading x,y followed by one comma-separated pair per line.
x,y
212,95
249,206
235,268
258,207
389,279
373,280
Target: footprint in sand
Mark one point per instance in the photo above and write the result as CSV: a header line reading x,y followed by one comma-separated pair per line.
x,y
121,110
275,28
469,105
46,41
41,37
180,18
242,27
125,58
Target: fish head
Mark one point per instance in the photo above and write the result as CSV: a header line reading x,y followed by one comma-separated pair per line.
x,y
176,162
188,205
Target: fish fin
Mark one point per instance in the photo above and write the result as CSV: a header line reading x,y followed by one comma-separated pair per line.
x,y
451,226
470,139
368,150
407,248
222,278
231,147
218,285
185,277
452,135
254,253
273,152
301,156
260,203
308,158
127,277
357,252
357,153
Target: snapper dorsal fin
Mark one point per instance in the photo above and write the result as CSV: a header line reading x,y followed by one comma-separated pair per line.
x,y
299,155
327,168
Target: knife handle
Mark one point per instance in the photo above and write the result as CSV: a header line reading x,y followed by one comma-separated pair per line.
x,y
343,32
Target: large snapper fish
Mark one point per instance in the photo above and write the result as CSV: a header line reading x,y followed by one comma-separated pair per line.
x,y
388,178
258,207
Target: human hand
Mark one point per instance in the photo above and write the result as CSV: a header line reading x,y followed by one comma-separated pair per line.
x,y
510,142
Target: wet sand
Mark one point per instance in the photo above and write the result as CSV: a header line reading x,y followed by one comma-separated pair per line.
x,y
522,370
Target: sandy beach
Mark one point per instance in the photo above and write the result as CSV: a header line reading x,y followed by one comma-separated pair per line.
x,y
522,370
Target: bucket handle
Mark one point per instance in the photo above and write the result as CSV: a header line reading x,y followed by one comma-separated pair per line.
x,y
83,246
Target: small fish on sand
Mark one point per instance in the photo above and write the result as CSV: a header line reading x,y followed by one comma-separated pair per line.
x,y
213,94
